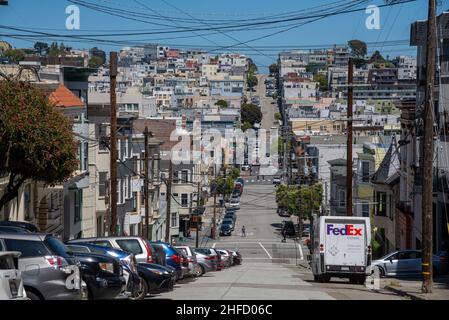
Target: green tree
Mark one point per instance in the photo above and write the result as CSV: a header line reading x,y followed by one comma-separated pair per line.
x,y
358,48
251,113
277,116
274,69
36,140
252,81
94,62
246,126
322,80
377,57
222,103
252,68
235,173
310,199
54,50
14,55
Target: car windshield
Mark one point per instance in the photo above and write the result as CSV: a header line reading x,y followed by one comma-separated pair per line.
x,y
57,247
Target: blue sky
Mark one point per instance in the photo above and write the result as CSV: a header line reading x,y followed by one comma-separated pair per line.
x,y
50,14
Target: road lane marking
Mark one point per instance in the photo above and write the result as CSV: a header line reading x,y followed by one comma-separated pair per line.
x,y
268,254
213,246
301,256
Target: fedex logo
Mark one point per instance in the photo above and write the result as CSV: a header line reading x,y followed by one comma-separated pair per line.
x,y
347,230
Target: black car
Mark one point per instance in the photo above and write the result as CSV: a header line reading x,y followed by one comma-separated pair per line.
x,y
102,274
289,228
20,224
156,277
229,222
231,215
225,230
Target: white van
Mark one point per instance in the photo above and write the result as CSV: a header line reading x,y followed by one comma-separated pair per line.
x,y
341,247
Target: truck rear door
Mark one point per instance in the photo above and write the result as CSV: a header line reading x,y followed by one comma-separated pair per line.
x,y
345,243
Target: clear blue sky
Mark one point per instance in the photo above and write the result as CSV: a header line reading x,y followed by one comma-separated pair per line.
x,y
395,23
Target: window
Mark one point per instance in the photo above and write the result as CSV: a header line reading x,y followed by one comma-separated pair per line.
x,y
125,187
365,209
175,177
381,199
27,248
134,201
100,226
102,135
365,171
184,176
103,243
174,219
102,177
129,195
131,245
142,195
119,191
77,205
184,199
86,156
342,199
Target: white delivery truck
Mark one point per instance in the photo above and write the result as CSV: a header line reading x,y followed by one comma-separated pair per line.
x,y
341,247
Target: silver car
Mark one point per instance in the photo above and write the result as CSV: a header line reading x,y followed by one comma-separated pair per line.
x,y
135,245
194,268
11,284
404,263
49,269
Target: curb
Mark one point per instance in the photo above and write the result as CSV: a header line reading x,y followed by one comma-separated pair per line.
x,y
404,293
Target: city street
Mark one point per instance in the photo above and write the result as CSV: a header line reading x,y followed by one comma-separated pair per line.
x,y
271,269
267,106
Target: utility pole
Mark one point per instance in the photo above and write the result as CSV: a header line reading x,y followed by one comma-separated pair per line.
x,y
113,142
198,214
146,186
428,152
349,141
168,199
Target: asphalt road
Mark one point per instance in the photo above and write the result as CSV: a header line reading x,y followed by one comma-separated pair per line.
x,y
271,269
267,106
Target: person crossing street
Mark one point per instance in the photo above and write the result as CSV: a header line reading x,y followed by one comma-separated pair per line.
x,y
243,231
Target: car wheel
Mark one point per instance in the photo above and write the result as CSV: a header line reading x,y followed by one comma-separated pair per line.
x,y
381,272
203,271
141,292
32,296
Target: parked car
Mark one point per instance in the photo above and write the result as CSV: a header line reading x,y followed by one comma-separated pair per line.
x,y
135,245
277,180
49,269
173,258
289,228
226,256
282,212
231,215
194,267
229,222
155,278
213,255
206,259
226,230
235,203
406,263
444,261
245,167
11,283
240,180
236,257
20,224
127,261
13,229
102,274
185,267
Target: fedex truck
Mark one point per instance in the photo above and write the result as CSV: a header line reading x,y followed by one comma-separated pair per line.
x,y
341,247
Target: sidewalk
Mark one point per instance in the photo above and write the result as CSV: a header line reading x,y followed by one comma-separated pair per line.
x,y
412,288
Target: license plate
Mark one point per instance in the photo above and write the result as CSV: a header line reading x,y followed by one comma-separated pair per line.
x,y
344,268
13,288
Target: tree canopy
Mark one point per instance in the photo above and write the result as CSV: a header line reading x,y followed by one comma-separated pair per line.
x,y
41,48
358,48
274,69
301,201
36,141
251,113
322,81
95,62
222,103
14,55
251,80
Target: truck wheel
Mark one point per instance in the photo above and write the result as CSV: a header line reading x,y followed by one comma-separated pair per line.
x,y
352,280
325,278
361,279
316,278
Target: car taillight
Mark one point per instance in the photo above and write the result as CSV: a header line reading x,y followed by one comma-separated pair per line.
x,y
55,261
321,247
210,258
149,255
175,258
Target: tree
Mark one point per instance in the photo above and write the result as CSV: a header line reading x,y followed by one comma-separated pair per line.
x,y
235,173
358,48
322,80
277,116
251,113
274,69
310,199
252,81
252,68
222,103
36,141
94,62
246,126
54,50
14,55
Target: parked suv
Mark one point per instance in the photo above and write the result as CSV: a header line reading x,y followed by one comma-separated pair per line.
x,y
11,284
172,256
135,245
49,269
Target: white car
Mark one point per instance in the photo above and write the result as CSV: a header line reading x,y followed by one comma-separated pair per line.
x,y
276,180
234,203
11,284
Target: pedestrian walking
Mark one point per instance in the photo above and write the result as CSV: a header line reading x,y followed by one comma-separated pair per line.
x,y
243,231
283,235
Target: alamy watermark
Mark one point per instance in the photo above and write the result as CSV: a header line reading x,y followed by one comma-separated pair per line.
x,y
73,20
